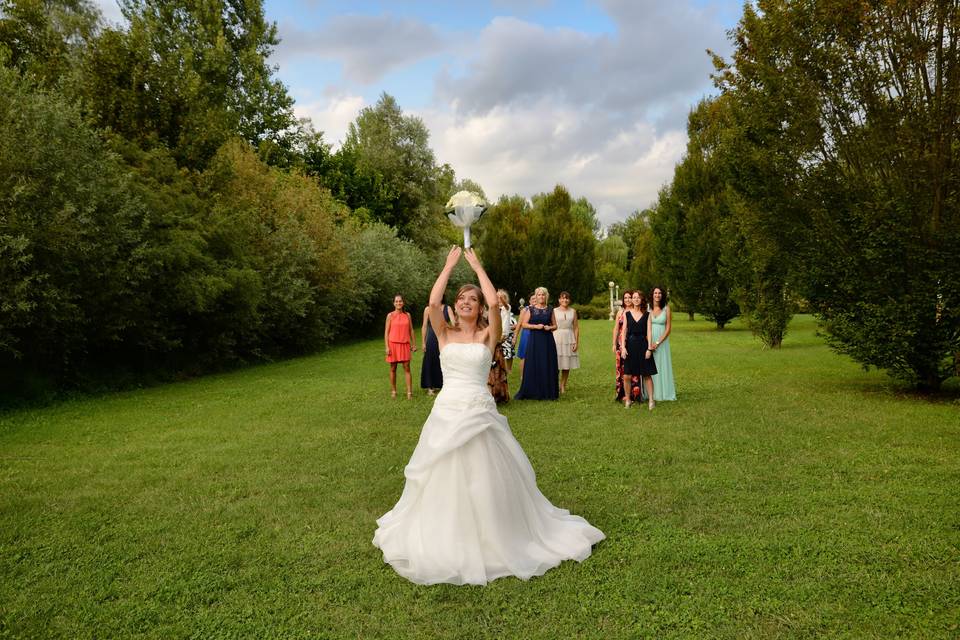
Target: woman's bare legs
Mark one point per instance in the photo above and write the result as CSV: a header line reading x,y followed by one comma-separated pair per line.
x,y
407,379
564,374
393,379
628,390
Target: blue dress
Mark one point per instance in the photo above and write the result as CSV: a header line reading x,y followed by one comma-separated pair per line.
x,y
540,372
431,377
522,341
663,386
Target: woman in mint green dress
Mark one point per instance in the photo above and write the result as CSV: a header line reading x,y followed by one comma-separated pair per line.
x,y
658,332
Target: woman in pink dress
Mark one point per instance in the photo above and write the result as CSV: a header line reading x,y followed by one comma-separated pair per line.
x,y
399,342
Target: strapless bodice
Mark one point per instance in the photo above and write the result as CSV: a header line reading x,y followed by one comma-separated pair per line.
x,y
465,364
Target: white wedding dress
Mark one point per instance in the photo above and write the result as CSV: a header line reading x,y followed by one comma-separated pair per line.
x,y
471,511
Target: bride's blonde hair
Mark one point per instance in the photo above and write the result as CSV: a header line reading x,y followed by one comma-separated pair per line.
x,y
482,321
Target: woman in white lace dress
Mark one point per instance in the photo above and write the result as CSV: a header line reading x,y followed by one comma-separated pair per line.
x,y
567,337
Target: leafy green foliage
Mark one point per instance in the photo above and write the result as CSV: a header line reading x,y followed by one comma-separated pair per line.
x,y
189,77
560,247
46,38
848,150
611,258
504,244
381,266
69,229
278,228
686,227
386,168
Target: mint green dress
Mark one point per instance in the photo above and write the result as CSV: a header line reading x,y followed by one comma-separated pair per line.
x,y
663,387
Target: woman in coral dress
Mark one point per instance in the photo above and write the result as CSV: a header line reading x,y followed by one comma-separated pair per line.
x,y
398,342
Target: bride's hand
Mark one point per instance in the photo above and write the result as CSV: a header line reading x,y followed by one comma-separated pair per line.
x,y
453,257
472,258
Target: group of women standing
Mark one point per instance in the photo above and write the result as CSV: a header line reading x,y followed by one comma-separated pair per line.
x,y
641,349
547,341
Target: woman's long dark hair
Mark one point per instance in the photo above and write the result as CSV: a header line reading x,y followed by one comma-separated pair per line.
x,y
663,297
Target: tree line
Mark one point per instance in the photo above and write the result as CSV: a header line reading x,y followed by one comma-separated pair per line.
x,y
824,176
163,211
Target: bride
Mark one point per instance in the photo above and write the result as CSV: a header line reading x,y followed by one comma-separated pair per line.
x,y
470,511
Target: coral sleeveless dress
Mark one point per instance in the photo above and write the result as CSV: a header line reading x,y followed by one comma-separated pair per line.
x,y
399,337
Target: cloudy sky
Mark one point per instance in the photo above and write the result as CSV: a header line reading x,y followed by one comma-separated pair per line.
x,y
518,95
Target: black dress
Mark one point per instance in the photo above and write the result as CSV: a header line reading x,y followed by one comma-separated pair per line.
x,y
430,375
637,363
540,372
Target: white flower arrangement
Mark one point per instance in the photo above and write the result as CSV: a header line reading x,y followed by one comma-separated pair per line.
x,y
463,209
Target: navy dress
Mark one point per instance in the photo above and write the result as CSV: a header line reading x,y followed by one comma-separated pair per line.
x,y
637,363
430,375
540,372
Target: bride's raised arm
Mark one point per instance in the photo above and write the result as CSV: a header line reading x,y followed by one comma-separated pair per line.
x,y
437,321
490,298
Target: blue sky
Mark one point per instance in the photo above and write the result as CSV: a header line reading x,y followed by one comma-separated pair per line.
x,y
518,96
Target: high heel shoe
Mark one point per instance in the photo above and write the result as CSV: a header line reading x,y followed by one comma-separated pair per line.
x,y
409,395
626,404
393,394
651,405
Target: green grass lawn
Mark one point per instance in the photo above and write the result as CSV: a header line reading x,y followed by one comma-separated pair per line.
x,y
786,494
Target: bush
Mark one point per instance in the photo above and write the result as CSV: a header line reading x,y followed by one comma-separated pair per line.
x,y
69,231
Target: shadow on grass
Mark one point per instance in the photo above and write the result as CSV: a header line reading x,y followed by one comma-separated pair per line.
x,y
878,387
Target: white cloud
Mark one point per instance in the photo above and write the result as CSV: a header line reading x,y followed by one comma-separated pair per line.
x,y
332,115
369,47
531,148
656,54
604,114
110,10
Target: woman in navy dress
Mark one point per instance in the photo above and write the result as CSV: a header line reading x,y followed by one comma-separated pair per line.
x,y
635,351
540,370
431,378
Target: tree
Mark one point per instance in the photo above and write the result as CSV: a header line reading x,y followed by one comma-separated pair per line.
x,y
687,236
848,114
45,38
190,77
69,231
753,261
586,213
630,229
386,168
560,248
643,268
611,262
503,244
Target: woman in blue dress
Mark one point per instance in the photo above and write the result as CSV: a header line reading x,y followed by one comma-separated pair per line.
x,y
540,369
659,324
431,377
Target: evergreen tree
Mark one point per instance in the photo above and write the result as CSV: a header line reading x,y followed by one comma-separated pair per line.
x,y
503,244
560,249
